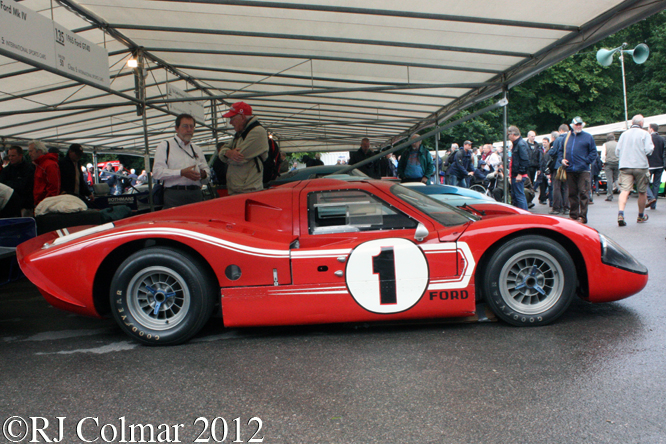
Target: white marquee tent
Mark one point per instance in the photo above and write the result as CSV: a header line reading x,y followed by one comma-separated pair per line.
x,y
320,74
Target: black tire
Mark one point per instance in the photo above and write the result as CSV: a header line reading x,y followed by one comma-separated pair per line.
x,y
478,188
170,280
529,281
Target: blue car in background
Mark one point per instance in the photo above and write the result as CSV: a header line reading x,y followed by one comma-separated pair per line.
x,y
449,194
452,195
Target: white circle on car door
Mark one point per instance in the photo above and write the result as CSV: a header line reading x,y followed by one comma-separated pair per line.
x,y
387,275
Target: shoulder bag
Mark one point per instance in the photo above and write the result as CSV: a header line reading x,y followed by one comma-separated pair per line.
x,y
562,170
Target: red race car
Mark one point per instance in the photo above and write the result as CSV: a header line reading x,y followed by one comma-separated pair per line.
x,y
325,251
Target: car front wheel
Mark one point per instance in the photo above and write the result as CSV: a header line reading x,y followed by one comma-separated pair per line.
x,y
530,280
161,296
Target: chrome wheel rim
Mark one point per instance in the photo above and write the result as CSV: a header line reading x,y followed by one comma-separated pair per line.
x,y
531,282
158,298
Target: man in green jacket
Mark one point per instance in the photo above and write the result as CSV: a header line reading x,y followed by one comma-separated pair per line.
x,y
415,164
246,152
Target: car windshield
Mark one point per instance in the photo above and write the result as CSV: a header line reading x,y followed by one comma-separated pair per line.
x,y
357,172
441,212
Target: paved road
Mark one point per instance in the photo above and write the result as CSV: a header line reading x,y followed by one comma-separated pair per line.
x,y
597,375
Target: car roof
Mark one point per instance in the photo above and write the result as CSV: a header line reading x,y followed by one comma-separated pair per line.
x,y
321,170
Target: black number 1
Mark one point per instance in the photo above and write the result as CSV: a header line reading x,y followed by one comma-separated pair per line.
x,y
384,265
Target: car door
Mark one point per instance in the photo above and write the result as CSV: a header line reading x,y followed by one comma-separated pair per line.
x,y
357,259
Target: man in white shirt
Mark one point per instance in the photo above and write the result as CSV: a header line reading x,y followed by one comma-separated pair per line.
x,y
633,149
181,165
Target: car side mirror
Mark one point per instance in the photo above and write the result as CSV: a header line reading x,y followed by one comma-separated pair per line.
x,y
421,232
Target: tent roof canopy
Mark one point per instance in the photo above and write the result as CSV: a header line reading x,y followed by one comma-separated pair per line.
x,y
320,75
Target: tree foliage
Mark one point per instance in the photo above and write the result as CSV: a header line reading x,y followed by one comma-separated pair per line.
x,y
578,86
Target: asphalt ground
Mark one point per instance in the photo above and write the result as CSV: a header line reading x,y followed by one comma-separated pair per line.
x,y
597,375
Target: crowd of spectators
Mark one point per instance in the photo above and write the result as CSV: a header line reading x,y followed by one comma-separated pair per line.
x,y
532,168
26,180
27,177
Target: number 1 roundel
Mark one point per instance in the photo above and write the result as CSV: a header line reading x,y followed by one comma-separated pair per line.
x,y
387,275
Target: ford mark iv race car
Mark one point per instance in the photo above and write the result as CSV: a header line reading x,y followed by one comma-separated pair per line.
x,y
325,251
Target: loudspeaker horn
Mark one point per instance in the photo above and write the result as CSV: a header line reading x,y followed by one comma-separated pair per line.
x,y
605,56
640,53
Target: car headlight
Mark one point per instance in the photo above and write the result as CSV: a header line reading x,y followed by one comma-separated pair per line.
x,y
614,255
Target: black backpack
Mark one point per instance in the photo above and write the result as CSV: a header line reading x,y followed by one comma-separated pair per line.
x,y
272,162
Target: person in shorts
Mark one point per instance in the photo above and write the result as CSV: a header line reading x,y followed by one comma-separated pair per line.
x,y
633,149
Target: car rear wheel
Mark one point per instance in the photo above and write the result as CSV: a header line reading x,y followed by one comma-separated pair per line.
x,y
162,296
478,188
529,281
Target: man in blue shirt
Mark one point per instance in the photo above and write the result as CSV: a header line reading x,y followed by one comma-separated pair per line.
x,y
580,151
520,162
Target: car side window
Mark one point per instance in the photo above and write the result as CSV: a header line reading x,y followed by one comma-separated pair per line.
x,y
353,210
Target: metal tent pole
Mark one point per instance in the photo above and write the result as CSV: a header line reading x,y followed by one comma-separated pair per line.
x,y
96,175
624,91
505,152
213,111
437,159
139,72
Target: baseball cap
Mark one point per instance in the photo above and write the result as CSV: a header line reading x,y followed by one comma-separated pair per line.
x,y
577,120
239,108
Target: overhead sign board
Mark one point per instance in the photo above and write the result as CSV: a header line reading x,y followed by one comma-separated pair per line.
x,y
195,108
25,33
80,57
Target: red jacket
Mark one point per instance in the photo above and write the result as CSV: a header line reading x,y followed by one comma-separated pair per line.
x,y
47,177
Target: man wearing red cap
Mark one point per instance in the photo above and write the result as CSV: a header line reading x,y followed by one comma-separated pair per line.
x,y
246,152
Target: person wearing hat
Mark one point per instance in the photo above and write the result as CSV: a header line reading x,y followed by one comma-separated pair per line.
x,y
481,172
90,176
577,154
72,180
246,153
181,165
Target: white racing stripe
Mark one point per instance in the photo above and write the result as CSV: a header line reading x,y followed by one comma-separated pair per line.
x,y
310,292
317,288
193,235
309,254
